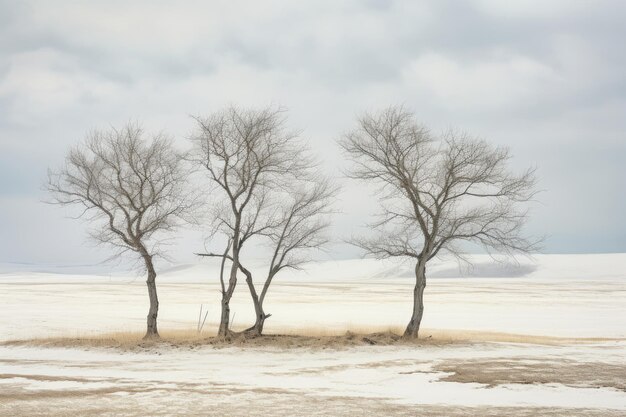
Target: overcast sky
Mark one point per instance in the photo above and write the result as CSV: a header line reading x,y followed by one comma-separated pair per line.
x,y
546,78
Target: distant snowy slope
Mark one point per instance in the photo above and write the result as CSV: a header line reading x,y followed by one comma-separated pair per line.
x,y
579,266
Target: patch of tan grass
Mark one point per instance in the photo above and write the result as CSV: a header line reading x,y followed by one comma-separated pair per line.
x,y
445,335
311,337
318,331
191,339
124,339
477,336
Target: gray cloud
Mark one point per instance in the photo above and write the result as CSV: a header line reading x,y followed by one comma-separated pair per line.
x,y
545,78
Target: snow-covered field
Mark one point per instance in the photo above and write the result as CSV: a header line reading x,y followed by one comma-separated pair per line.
x,y
574,296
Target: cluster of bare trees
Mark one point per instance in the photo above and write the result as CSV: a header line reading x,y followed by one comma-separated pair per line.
x,y
262,184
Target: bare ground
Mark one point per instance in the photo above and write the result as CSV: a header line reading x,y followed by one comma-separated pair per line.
x,y
501,371
85,388
239,403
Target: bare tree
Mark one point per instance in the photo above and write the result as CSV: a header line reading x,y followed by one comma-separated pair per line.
x,y
436,192
131,189
303,218
246,154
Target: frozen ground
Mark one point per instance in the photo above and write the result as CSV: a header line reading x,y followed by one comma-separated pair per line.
x,y
581,296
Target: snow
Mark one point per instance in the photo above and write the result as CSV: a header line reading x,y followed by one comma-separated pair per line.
x,y
556,295
402,375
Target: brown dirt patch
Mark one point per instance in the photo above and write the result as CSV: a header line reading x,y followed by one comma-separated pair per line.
x,y
492,372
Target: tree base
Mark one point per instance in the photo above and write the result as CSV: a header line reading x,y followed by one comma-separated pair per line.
x,y
151,336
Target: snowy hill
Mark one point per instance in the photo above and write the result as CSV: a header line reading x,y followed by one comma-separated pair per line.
x,y
579,266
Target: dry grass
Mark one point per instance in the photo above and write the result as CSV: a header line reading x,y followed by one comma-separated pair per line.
x,y
122,340
448,335
292,338
191,339
477,336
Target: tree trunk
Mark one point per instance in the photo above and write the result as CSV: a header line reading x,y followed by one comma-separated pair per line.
x,y
224,329
412,329
151,331
257,328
